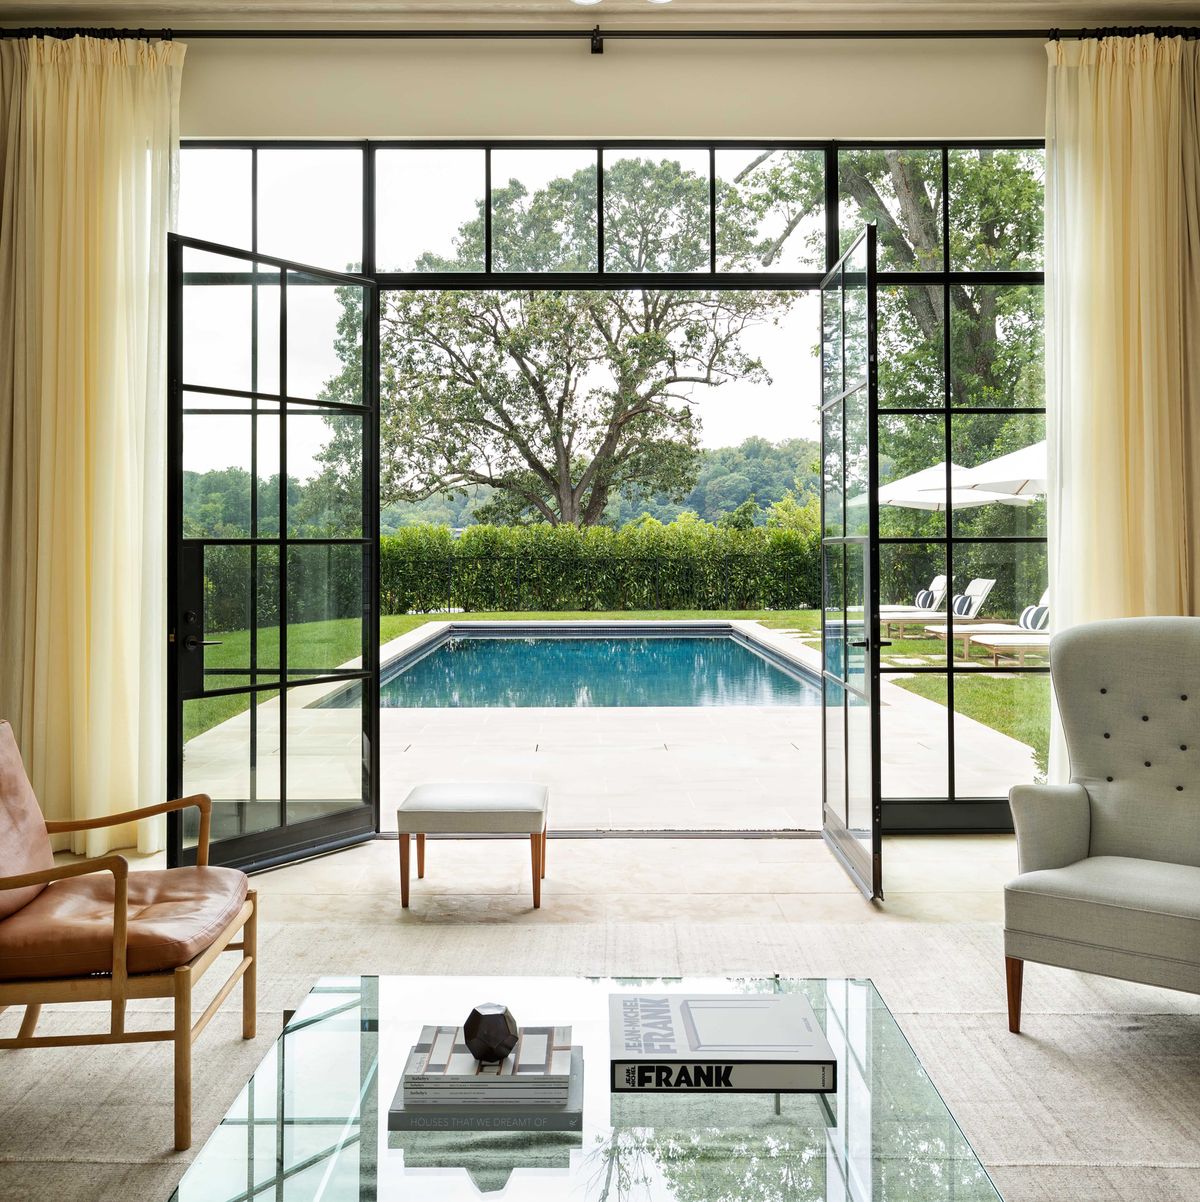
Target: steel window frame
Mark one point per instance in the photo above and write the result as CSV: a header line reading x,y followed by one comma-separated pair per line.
x,y
901,814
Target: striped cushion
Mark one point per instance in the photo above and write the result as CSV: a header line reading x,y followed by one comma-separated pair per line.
x,y
924,599
962,605
1034,617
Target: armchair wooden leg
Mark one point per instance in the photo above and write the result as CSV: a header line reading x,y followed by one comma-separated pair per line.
x,y
183,1059
1014,971
250,976
404,871
29,1022
420,857
543,853
535,849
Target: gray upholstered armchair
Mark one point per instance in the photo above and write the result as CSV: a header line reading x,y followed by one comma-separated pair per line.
x,y
1110,864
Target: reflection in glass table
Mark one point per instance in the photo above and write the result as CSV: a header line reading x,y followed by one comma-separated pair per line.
x,y
312,1121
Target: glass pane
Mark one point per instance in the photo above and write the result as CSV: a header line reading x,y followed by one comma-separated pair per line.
x,y
1003,580
325,746
324,474
1003,457
226,615
913,732
835,748
912,475
231,752
429,210
544,210
997,354
267,491
1001,731
835,517
996,209
901,191
324,347
911,347
770,210
831,346
656,210
215,195
913,595
226,303
860,801
325,607
310,206
216,475
858,458
856,609
857,350
835,609
266,561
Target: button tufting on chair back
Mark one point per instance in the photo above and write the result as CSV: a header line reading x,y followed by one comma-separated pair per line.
x,y
1129,695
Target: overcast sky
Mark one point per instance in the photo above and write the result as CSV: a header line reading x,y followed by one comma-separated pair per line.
x,y
310,210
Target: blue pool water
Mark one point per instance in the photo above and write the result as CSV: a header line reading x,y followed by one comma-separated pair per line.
x,y
596,671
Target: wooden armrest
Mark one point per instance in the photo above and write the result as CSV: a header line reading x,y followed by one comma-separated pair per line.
x,y
119,867
201,801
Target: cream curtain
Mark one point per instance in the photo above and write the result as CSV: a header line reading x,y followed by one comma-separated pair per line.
x,y
1123,320
89,133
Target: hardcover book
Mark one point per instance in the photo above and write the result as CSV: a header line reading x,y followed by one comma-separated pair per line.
x,y
723,1043
405,1115
441,1070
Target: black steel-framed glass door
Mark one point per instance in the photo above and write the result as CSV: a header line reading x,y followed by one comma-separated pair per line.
x,y
851,809
273,579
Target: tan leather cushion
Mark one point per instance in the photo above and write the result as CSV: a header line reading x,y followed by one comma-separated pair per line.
x,y
66,931
24,844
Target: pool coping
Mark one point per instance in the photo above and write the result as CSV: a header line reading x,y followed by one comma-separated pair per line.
x,y
402,653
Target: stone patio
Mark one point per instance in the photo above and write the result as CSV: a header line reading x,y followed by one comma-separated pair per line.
x,y
683,768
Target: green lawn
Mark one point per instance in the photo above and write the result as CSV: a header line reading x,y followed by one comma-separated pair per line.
x,y
324,645
1018,706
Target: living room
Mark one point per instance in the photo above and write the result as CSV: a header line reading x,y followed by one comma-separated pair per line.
x,y
587,506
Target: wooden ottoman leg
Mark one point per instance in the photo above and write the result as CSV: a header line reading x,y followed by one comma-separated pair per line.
x,y
535,851
250,976
543,853
420,857
404,871
1014,971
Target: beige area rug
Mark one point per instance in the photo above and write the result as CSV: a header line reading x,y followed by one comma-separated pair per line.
x,y
1098,1101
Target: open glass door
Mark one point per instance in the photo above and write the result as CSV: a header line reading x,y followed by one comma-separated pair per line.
x,y
273,555
850,566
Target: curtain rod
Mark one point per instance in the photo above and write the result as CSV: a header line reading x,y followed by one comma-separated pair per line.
x,y
596,37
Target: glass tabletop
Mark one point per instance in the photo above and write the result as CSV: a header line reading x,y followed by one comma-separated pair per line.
x,y
311,1124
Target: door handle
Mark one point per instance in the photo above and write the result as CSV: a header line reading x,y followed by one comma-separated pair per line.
x,y
861,643
191,642
885,642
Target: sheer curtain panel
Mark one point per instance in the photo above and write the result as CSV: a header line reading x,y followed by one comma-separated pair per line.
x,y
88,142
1122,330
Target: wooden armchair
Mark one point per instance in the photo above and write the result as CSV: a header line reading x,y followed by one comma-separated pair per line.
x,y
93,931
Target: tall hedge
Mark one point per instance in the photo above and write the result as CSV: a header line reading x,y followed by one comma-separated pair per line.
x,y
641,566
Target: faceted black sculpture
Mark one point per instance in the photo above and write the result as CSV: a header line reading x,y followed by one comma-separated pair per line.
x,y
490,1032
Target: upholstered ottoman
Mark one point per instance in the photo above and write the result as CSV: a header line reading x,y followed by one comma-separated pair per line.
x,y
474,808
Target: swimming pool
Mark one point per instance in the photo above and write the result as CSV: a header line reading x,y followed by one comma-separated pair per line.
x,y
469,670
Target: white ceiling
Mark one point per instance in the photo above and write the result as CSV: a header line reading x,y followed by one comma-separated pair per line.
x,y
732,14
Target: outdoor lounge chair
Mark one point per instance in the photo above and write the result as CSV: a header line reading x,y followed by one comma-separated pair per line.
x,y
1033,620
1019,644
900,616
92,931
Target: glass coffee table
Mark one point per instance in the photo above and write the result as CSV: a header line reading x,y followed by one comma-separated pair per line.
x,y
311,1124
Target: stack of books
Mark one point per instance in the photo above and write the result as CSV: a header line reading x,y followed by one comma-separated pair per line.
x,y
538,1087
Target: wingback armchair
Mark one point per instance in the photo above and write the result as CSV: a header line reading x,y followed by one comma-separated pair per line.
x,y
1110,864
94,931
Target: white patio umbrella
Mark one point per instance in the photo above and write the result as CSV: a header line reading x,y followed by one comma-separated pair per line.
x,y
926,489
1019,474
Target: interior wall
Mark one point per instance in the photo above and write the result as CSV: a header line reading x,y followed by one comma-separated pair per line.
x,y
819,89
